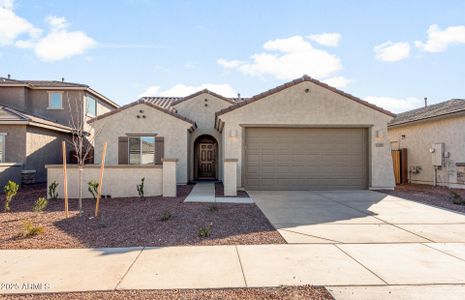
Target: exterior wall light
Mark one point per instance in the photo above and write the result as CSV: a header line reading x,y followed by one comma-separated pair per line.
x,y
233,133
379,134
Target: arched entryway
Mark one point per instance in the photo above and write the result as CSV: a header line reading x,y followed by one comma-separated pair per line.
x,y
205,157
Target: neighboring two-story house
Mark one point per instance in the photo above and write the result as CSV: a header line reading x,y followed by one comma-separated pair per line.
x,y
36,116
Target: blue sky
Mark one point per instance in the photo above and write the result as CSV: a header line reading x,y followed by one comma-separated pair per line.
x,y
392,53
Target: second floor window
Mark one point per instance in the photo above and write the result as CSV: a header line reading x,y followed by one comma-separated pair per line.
x,y
55,100
91,106
142,150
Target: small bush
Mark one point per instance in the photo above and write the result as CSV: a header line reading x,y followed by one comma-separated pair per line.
x,y
10,189
93,188
457,199
165,216
40,205
31,230
204,232
140,188
52,190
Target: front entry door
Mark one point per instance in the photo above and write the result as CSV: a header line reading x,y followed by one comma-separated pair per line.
x,y
207,164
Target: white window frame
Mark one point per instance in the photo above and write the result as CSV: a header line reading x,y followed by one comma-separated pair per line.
x,y
50,93
140,137
96,106
3,137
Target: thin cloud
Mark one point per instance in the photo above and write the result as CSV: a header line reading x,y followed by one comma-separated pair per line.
x,y
395,105
327,39
182,90
392,52
286,59
438,40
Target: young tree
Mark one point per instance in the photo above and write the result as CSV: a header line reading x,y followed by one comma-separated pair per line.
x,y
82,139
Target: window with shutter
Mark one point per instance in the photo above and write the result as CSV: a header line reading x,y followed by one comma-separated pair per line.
x,y
159,150
123,150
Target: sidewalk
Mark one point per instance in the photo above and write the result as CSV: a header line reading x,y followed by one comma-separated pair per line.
x,y
205,192
334,266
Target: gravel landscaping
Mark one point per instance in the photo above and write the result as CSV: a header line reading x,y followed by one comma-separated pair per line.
x,y
284,293
219,191
438,196
133,222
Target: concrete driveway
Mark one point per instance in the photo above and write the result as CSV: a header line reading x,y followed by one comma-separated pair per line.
x,y
357,217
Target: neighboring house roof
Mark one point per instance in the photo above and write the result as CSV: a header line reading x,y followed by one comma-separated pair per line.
x,y
52,84
295,82
12,116
449,107
149,102
163,102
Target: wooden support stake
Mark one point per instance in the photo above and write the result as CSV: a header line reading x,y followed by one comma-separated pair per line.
x,y
102,167
65,179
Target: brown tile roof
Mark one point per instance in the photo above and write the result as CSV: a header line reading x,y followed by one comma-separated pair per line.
x,y
41,83
295,82
163,102
432,111
150,103
200,93
12,115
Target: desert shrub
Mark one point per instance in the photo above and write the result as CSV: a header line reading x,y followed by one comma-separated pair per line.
x,y
93,188
10,189
213,207
31,230
52,190
205,231
140,187
456,198
40,205
165,216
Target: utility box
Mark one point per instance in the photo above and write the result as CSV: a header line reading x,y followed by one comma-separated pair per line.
x,y
437,152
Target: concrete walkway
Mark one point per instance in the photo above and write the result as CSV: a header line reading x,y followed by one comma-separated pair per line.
x,y
370,269
205,192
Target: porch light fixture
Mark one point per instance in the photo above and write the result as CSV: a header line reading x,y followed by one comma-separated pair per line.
x,y
233,133
379,134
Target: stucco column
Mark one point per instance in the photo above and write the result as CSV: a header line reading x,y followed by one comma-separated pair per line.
x,y
230,177
169,177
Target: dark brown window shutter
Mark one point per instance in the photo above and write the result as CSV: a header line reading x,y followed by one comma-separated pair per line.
x,y
159,150
123,150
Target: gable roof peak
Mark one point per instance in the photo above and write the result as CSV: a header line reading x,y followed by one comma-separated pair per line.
x,y
294,82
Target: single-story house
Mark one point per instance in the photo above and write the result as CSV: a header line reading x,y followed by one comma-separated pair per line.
x,y
302,135
434,137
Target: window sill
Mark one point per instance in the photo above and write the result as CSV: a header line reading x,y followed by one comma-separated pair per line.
x,y
55,108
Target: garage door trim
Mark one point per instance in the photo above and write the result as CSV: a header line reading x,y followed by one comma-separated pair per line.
x,y
366,153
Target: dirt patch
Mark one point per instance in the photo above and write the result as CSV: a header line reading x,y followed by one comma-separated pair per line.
x,y
219,192
438,196
284,293
133,222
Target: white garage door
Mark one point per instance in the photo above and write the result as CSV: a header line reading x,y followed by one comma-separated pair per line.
x,y
306,158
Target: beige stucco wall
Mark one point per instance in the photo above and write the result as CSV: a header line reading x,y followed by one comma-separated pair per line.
x,y
319,107
37,104
43,147
15,142
204,116
14,97
418,140
174,130
118,181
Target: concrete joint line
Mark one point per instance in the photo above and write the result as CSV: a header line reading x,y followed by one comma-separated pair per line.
x,y
361,264
129,268
240,263
306,234
443,252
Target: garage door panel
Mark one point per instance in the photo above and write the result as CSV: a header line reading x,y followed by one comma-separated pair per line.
x,y
305,158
